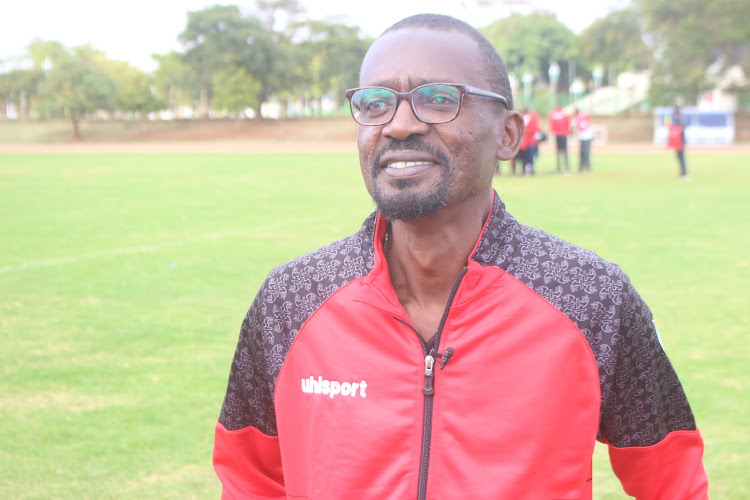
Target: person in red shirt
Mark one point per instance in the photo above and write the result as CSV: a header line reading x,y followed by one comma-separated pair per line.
x,y
446,350
559,126
581,123
676,141
527,150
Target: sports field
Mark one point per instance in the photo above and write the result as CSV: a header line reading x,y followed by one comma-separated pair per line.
x,y
124,278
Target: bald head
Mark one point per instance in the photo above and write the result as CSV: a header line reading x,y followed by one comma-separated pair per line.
x,y
493,68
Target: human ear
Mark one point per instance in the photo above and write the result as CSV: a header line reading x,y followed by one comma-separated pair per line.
x,y
510,135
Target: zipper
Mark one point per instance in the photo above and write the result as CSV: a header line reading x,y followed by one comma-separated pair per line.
x,y
429,375
428,390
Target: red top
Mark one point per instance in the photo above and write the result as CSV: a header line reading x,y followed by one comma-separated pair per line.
x,y
559,122
531,120
543,349
676,139
581,122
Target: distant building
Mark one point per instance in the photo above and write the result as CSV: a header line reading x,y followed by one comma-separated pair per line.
x,y
723,94
702,126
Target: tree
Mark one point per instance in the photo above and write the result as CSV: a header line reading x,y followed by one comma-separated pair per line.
x,y
282,57
19,87
530,43
175,82
333,52
694,42
134,89
7,88
219,37
234,90
259,59
614,41
74,87
43,53
291,75
279,15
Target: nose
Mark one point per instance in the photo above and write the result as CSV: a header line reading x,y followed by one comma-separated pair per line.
x,y
404,123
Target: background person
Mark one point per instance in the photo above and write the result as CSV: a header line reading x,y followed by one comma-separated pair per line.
x,y
559,126
528,150
540,138
445,350
676,141
581,123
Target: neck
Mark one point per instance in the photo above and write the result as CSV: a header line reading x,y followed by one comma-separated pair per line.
x,y
425,256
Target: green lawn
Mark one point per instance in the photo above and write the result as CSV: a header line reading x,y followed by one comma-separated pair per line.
x,y
124,279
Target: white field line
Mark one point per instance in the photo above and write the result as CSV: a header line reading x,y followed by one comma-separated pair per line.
x,y
60,261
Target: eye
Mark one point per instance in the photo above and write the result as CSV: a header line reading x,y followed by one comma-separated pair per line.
x,y
438,96
443,98
374,104
374,101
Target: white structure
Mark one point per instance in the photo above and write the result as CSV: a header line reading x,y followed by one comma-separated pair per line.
x,y
631,90
701,126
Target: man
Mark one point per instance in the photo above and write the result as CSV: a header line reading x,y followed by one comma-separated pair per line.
x,y
528,148
445,350
559,126
581,123
676,141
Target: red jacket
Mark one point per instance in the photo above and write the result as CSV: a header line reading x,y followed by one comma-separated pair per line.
x,y
531,120
559,122
543,348
676,139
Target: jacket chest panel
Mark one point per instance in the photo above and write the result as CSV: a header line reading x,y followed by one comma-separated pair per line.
x,y
356,375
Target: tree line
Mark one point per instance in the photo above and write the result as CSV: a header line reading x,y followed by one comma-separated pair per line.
x,y
234,60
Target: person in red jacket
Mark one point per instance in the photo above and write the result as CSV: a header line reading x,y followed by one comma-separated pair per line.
x,y
528,148
559,126
446,350
676,141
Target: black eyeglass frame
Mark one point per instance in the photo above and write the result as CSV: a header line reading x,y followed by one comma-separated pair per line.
x,y
400,96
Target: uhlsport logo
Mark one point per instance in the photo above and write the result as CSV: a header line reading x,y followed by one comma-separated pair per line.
x,y
333,388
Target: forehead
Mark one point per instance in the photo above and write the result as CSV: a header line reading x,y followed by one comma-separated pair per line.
x,y
406,58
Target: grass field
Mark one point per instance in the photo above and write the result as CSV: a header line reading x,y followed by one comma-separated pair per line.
x,y
124,279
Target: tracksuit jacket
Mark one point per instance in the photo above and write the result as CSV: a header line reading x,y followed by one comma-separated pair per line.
x,y
542,349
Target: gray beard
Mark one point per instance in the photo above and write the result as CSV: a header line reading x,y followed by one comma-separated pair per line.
x,y
406,204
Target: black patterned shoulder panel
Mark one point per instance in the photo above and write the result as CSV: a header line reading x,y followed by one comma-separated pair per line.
x,y
642,399
287,298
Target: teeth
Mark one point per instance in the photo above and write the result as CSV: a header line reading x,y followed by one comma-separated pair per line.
x,y
405,164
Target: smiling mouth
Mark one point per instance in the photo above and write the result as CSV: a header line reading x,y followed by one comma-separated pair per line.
x,y
407,164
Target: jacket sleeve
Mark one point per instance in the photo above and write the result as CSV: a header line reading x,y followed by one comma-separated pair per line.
x,y
246,455
655,447
672,468
248,464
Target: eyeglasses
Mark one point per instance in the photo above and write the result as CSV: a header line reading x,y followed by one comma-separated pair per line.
x,y
431,103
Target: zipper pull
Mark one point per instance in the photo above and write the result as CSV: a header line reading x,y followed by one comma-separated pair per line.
x,y
429,375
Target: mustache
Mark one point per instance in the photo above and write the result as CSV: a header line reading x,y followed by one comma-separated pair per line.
x,y
411,143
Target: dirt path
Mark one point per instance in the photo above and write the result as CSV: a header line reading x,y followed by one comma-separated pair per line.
x,y
184,147
264,146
